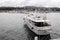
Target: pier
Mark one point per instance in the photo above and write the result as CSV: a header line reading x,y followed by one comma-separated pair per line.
x,y
56,39
36,38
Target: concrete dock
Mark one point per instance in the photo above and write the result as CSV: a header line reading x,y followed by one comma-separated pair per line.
x,y
56,39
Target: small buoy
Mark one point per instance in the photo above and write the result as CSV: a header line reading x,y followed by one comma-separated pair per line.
x,y
36,38
23,18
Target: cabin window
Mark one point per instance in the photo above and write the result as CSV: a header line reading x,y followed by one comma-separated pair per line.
x,y
41,24
30,21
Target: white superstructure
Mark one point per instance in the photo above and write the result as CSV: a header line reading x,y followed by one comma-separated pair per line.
x,y
38,23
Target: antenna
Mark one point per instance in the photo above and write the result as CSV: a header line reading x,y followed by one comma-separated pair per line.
x,y
45,15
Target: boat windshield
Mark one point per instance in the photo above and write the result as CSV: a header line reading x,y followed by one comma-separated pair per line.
x,y
41,24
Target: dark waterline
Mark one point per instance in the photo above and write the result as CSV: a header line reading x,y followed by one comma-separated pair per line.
x,y
12,27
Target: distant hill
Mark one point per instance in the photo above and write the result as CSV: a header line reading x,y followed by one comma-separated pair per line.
x,y
31,7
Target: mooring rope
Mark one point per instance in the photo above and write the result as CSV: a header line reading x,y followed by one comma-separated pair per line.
x,y
43,37
46,37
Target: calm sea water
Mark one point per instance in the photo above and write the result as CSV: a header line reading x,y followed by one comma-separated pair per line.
x,y
12,27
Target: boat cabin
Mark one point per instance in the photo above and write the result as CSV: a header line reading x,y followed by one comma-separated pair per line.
x,y
38,20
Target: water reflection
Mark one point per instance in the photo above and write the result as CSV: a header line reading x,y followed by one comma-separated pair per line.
x,y
31,35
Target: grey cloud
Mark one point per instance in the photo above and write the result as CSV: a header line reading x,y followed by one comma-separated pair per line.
x,y
20,3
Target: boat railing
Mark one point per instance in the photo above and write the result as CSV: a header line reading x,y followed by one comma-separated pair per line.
x,y
41,28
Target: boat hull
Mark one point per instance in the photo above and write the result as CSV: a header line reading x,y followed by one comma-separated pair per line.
x,y
38,32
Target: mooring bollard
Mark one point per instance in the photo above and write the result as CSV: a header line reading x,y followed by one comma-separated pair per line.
x,y
36,38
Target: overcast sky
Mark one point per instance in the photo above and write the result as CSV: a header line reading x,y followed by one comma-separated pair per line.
x,y
38,3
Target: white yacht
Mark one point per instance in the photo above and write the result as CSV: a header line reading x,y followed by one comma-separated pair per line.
x,y
38,23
